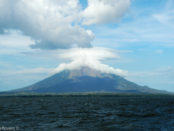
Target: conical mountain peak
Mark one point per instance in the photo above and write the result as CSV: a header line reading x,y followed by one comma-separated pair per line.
x,y
85,79
85,71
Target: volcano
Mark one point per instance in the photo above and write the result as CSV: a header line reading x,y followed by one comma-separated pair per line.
x,y
86,79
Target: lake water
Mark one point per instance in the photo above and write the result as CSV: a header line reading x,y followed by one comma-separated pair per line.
x,y
87,112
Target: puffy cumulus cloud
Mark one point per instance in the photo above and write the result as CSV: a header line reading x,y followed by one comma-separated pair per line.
x,y
104,11
90,57
56,24
13,42
51,23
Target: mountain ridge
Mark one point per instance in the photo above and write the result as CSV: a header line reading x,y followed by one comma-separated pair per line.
x,y
86,79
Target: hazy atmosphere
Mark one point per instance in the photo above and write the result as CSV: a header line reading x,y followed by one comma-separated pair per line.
x,y
130,38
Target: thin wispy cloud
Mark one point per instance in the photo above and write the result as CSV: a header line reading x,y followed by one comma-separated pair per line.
x,y
164,76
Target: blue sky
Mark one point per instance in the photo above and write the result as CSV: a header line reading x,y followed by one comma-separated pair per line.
x,y
143,38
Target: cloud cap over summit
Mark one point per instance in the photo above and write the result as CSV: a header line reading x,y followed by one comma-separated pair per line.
x,y
90,57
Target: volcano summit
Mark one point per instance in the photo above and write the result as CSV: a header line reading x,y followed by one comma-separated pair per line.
x,y
85,79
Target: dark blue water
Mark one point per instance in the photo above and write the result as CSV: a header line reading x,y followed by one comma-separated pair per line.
x,y
88,112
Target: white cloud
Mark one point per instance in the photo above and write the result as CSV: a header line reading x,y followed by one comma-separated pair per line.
x,y
90,57
161,78
58,23
13,42
52,24
39,70
12,79
167,18
104,11
159,51
140,30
